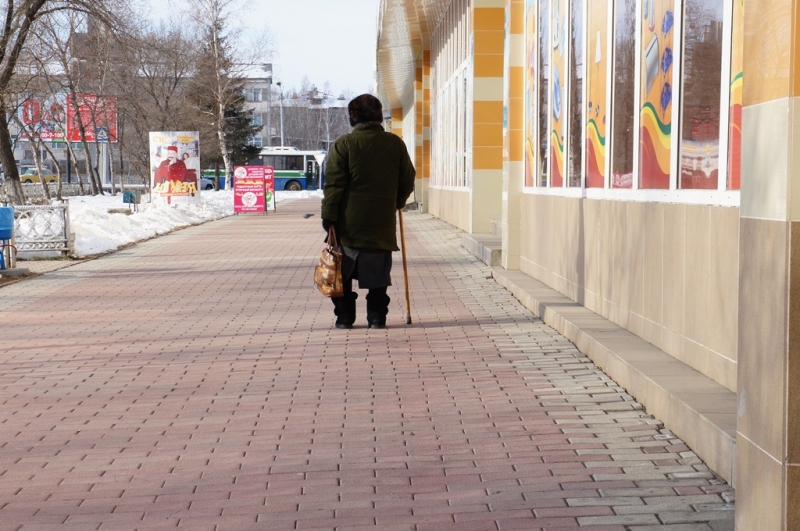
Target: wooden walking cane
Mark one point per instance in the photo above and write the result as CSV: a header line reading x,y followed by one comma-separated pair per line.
x,y
405,266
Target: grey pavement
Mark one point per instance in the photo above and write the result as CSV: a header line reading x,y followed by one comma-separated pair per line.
x,y
195,381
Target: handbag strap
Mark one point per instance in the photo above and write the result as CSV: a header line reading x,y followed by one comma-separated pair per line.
x,y
332,240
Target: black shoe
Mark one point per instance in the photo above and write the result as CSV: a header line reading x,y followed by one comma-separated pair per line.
x,y
344,326
376,324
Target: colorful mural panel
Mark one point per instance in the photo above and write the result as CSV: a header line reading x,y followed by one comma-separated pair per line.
x,y
737,71
597,92
531,94
558,80
655,130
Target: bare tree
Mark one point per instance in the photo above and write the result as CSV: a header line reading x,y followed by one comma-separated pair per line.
x,y
223,65
21,20
151,79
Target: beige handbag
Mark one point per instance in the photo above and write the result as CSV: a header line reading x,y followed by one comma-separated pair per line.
x,y
328,274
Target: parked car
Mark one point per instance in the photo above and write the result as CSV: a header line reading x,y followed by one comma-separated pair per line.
x,y
206,183
31,175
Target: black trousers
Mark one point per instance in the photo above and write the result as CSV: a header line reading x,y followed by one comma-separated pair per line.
x,y
344,307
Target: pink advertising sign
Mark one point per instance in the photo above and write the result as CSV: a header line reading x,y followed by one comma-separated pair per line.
x,y
269,182
249,189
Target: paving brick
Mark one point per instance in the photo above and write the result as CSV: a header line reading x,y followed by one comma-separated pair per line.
x,y
194,381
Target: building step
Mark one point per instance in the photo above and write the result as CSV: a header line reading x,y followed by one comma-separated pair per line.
x,y
487,247
694,407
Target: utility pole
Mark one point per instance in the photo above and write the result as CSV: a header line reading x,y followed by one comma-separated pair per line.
x,y
268,69
281,89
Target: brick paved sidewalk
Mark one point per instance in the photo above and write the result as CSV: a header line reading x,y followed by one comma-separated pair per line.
x,y
195,381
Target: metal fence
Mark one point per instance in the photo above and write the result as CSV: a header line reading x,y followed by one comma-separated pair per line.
x,y
42,228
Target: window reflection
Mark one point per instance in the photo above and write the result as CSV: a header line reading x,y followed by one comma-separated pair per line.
x,y
544,83
702,71
575,160
735,110
623,105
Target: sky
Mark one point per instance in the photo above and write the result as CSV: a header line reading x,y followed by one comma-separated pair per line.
x,y
326,40
329,41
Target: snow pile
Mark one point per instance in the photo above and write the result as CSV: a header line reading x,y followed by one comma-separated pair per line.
x,y
98,231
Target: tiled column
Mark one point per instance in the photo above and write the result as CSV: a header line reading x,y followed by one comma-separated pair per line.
x,y
397,121
397,128
513,166
487,127
424,167
768,438
421,111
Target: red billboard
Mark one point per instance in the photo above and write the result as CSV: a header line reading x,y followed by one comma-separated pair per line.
x,y
44,116
98,115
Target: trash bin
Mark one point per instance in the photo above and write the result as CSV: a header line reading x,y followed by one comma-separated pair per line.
x,y
6,223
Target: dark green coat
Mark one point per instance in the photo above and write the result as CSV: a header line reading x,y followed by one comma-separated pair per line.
x,y
368,177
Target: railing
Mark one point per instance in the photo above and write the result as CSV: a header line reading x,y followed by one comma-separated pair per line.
x,y
42,228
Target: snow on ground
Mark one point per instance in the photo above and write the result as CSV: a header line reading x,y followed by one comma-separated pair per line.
x,y
98,231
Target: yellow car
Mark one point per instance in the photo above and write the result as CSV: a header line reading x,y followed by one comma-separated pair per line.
x,y
30,175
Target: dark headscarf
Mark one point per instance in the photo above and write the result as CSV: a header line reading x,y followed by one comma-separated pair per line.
x,y
365,109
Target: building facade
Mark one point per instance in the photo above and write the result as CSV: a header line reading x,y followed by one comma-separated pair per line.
x,y
636,157
306,119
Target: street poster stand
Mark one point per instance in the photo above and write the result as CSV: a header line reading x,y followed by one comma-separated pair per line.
x,y
253,189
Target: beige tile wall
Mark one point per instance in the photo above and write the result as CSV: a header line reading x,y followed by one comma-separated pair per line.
x,y
450,205
667,272
763,334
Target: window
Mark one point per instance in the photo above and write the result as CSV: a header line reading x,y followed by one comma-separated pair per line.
x,y
575,125
531,94
450,109
257,120
735,91
655,112
702,71
631,94
623,98
256,141
544,85
294,163
597,93
559,77
271,160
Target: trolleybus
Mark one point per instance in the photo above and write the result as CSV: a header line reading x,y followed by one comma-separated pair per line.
x,y
294,169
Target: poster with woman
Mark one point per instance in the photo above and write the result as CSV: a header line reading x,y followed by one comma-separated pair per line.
x,y
655,130
175,166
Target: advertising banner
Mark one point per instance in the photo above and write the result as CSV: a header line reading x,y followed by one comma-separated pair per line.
x,y
175,166
655,142
559,74
598,53
249,189
737,76
45,117
269,183
531,91
253,188
97,114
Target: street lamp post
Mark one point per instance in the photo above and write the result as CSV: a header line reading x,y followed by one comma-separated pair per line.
x,y
268,69
281,89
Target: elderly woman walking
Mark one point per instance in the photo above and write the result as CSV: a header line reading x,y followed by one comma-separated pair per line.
x,y
368,176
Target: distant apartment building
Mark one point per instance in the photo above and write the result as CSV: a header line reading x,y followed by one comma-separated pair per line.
x,y
307,118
